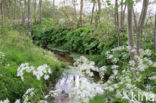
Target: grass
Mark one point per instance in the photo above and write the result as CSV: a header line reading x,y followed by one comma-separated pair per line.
x,y
18,48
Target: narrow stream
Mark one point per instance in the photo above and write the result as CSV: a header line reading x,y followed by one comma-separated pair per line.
x,y
64,84
69,77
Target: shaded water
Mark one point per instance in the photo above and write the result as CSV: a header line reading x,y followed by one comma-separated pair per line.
x,y
64,84
64,57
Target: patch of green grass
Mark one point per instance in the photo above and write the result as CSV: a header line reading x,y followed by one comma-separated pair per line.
x,y
18,48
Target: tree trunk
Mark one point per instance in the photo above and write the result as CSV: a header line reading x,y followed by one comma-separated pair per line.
x,y
155,34
123,19
135,19
121,15
117,22
97,18
75,12
23,12
141,23
29,15
53,12
1,8
1,12
35,5
91,21
81,13
7,4
40,3
129,30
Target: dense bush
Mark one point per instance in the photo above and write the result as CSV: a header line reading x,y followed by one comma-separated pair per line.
x,y
80,40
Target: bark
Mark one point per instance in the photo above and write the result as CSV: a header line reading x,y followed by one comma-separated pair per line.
x,y
29,15
123,18
75,12
135,19
1,11
129,30
53,12
140,24
1,8
81,13
35,5
97,18
40,3
7,4
23,12
155,33
93,8
117,22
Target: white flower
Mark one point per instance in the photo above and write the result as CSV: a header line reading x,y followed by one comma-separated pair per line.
x,y
46,77
41,71
5,101
115,66
17,101
152,78
132,63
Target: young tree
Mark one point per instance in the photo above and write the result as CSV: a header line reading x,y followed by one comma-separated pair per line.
x,y
122,16
8,9
53,11
35,6
81,13
91,20
154,34
75,12
140,24
129,29
97,18
29,15
117,22
40,3
1,8
135,19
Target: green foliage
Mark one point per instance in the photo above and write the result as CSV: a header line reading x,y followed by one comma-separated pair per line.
x,y
18,49
79,40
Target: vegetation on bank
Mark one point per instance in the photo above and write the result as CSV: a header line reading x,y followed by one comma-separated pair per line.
x,y
17,48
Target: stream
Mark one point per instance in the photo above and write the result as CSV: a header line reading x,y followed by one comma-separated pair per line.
x,y
64,84
68,78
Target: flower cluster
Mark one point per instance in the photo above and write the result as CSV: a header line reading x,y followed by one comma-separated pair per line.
x,y
79,88
28,93
40,71
5,101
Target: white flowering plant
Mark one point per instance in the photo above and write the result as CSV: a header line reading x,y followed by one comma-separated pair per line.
x,y
137,77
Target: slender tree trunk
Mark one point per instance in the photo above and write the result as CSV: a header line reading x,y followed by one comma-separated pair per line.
x,y
97,18
91,21
23,12
135,19
123,18
29,15
40,3
7,4
129,30
1,12
35,5
121,15
1,8
117,23
140,24
155,33
81,13
53,11
75,12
